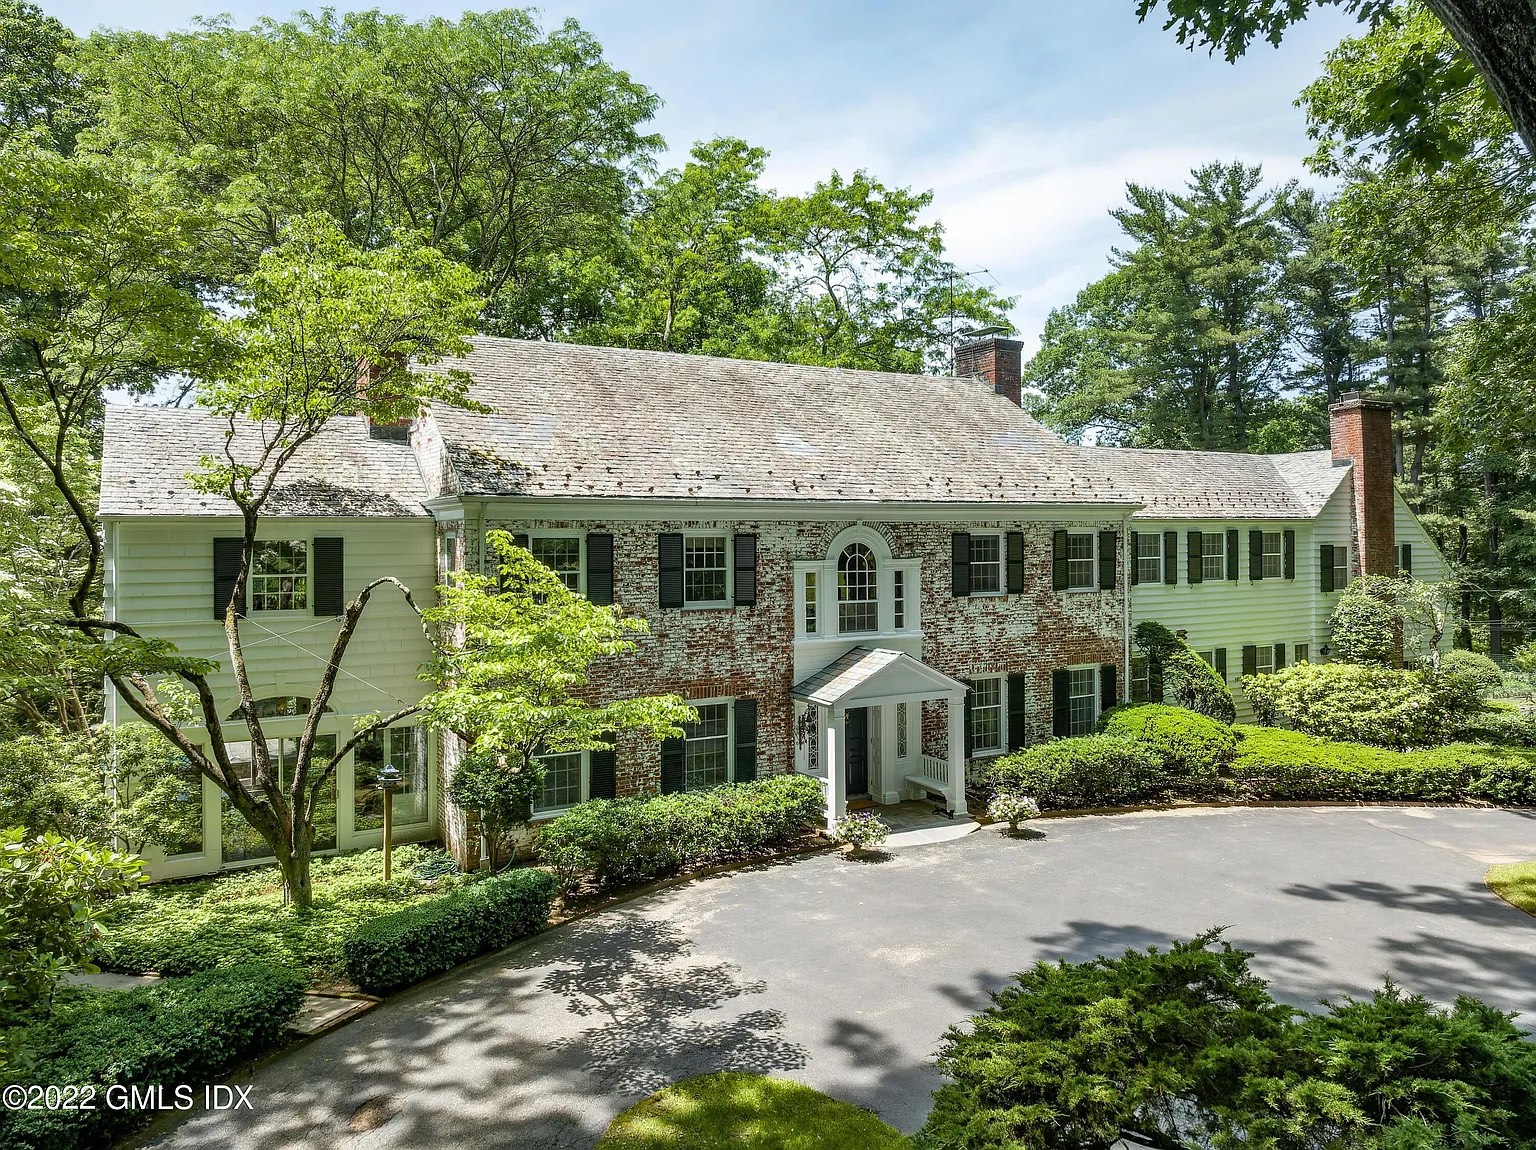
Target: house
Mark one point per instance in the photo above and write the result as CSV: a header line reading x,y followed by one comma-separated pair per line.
x,y
873,578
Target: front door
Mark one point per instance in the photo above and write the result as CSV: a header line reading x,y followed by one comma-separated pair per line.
x,y
856,744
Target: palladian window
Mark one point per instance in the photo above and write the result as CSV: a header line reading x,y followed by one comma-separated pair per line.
x,y
857,602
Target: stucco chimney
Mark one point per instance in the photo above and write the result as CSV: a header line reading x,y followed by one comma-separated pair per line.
x,y
998,361
1360,430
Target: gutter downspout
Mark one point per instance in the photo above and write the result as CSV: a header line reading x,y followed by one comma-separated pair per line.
x,y
1125,690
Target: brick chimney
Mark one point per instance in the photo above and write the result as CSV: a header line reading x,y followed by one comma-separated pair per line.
x,y
1360,430
368,375
998,361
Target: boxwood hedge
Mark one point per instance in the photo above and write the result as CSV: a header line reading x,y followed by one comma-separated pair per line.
x,y
1087,771
1194,748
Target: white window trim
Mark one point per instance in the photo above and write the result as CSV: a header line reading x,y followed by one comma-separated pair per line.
x,y
1098,696
1205,553
825,571
309,582
730,737
1002,564
1340,549
1264,652
1092,586
1278,555
583,794
1161,559
581,551
730,560
1002,716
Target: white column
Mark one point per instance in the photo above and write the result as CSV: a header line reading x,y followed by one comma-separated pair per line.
x,y
837,773
956,792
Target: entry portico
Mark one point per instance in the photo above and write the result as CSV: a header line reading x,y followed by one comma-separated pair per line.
x,y
859,728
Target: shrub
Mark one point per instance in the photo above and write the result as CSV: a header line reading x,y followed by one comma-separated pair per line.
x,y
1471,673
1188,1048
503,796
861,830
1365,624
621,841
1192,746
1497,723
1181,675
1012,808
1093,770
399,949
183,1031
1360,703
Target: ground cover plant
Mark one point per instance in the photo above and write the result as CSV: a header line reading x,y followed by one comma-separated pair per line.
x,y
182,927
750,1110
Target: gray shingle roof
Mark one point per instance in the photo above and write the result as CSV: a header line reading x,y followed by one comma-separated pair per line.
x,y
148,452
1224,485
611,422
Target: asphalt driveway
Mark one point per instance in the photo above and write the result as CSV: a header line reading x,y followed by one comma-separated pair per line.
x,y
844,974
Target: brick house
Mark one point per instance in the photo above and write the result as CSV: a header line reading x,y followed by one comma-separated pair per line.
x,y
876,579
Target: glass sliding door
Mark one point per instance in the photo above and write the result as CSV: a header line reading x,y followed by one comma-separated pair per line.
x,y
241,842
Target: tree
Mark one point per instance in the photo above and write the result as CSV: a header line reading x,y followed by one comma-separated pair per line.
x,y
511,687
1177,673
40,96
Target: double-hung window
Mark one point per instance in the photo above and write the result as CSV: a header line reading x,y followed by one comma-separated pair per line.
x,y
1082,699
1209,657
1141,680
707,745
562,781
986,564
1272,555
1149,557
1213,556
1264,660
1340,567
1303,653
561,554
1082,572
280,575
987,715
705,572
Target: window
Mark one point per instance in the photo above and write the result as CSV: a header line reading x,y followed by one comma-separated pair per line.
x,y
810,602
1340,568
899,587
857,608
1213,556
1149,557
1141,681
1272,560
562,555
404,748
901,730
450,556
1303,653
280,576
704,569
707,747
986,564
1081,573
1082,700
987,715
1210,659
562,781
1264,660
239,839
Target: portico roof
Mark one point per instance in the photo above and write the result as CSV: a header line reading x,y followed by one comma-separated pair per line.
x,y
873,672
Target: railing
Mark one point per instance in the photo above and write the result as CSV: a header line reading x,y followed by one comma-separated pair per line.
x,y
935,769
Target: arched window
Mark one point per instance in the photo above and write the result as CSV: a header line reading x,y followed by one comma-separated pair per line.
x,y
279,706
857,606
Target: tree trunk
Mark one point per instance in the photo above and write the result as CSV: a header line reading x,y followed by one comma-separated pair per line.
x,y
1500,38
294,862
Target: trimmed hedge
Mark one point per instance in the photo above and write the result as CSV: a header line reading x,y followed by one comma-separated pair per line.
x,y
621,841
1088,771
178,1032
1278,764
1194,748
396,950
1360,703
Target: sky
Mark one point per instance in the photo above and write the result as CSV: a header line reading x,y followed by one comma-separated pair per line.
x,y
1026,119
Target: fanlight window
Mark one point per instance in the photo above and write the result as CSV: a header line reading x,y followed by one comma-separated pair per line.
x,y
278,706
857,606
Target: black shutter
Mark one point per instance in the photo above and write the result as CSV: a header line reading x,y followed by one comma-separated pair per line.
x,y
1061,703
1109,545
1018,710
1232,554
960,564
669,570
1325,565
330,581
674,757
521,540
746,740
1108,694
1255,555
1059,560
1135,558
969,707
745,585
226,570
1406,563
1250,660
1196,572
603,775
1220,656
1279,655
600,569
1015,562
1290,554
1171,558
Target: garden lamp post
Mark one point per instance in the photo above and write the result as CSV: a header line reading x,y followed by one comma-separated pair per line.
x,y
389,781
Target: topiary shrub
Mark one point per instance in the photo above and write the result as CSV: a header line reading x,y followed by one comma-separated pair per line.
x,y
1193,747
861,830
1177,673
1362,703
1366,625
396,950
1012,808
178,1032
1089,771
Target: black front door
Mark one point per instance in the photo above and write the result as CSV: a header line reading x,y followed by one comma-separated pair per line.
x,y
856,740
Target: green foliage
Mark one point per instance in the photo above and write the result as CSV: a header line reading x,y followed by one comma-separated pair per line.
x,y
1276,764
1091,771
1363,703
502,795
183,927
1472,672
396,950
38,93
1192,746
1187,1048
1012,808
1365,625
183,1031
1177,673
52,781
861,830
617,842
52,890
1500,725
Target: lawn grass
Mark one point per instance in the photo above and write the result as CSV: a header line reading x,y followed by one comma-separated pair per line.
x,y
1515,883
183,927
746,1112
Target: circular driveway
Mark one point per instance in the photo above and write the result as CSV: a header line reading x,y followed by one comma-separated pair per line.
x,y
844,974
